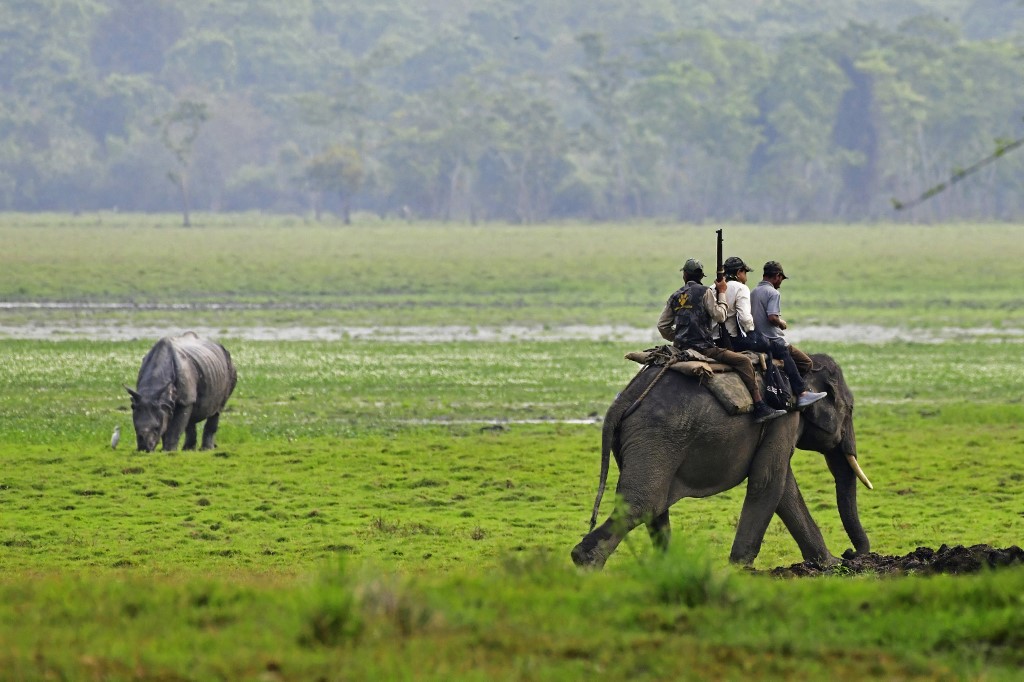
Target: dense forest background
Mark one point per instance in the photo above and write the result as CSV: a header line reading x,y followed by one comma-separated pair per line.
x,y
514,110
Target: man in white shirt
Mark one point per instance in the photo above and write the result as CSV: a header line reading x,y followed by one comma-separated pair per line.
x,y
739,323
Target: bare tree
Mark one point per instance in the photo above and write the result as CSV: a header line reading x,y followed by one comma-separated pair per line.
x,y
178,131
338,170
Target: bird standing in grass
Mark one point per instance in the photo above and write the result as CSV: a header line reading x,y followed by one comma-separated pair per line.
x,y
115,438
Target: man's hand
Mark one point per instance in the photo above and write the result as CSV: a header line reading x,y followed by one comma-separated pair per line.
x,y
721,286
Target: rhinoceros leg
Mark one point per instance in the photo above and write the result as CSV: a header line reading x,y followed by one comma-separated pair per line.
x,y
190,437
210,431
175,428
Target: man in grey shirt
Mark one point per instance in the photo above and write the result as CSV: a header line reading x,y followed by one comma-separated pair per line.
x,y
766,309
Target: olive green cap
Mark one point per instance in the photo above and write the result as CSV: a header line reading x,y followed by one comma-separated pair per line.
x,y
772,268
735,264
693,267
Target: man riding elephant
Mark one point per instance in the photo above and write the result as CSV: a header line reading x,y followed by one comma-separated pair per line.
x,y
680,442
741,328
687,321
766,311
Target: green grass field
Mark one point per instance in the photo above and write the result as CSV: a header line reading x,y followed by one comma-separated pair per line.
x,y
286,272
405,510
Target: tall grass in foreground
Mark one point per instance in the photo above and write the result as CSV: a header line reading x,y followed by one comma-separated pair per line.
x,y
530,618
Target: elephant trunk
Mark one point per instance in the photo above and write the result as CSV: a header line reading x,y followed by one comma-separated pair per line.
x,y
844,468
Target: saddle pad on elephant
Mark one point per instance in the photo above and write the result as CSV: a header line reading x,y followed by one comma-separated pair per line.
x,y
665,355
723,382
669,355
732,393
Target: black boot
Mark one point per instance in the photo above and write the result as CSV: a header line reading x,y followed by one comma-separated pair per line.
x,y
763,413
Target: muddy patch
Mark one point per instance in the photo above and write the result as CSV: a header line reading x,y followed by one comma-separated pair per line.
x,y
952,560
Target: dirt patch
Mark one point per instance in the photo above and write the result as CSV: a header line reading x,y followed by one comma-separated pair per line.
x,y
955,560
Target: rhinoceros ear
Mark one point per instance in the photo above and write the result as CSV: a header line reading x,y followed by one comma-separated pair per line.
x,y
168,395
135,396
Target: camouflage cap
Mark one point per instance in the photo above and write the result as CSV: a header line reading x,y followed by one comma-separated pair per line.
x,y
735,264
693,267
772,268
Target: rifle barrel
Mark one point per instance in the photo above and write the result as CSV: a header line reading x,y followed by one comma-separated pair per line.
x,y
720,268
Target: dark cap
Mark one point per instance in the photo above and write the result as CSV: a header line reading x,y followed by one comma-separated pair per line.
x,y
735,264
772,268
693,267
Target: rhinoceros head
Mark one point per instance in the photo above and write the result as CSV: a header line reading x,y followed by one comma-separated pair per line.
x,y
151,416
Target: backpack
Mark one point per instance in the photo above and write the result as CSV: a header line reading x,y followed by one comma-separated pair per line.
x,y
777,392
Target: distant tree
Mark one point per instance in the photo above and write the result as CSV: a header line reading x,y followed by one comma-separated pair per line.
x,y
606,140
530,144
693,103
339,171
855,132
793,171
178,132
135,35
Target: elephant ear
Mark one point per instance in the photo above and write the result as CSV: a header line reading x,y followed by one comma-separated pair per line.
x,y
830,414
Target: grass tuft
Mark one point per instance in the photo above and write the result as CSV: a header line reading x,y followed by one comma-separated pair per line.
x,y
685,574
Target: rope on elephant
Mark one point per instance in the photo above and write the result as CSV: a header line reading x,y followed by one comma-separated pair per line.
x,y
660,356
636,403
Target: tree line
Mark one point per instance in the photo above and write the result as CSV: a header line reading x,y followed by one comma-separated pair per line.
x,y
514,110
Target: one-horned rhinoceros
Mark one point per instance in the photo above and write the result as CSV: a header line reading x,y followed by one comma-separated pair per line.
x,y
183,380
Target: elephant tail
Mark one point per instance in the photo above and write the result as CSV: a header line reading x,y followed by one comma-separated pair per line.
x,y
620,408
608,436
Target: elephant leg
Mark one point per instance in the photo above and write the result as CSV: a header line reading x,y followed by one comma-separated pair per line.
x,y
173,433
766,483
595,548
794,513
210,431
660,531
190,437
641,498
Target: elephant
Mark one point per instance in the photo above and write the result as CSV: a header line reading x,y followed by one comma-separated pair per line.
x,y
680,442
183,380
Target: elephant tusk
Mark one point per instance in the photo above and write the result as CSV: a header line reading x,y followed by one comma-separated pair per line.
x,y
852,459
